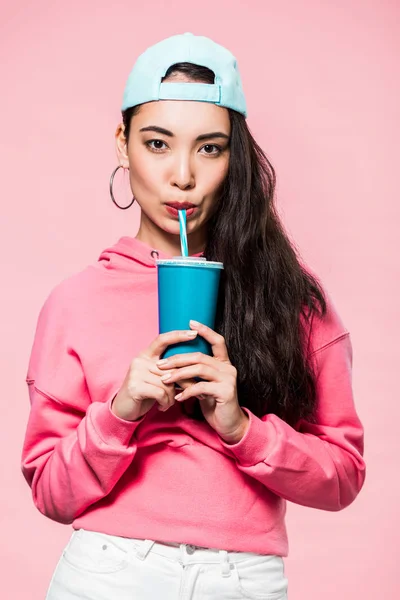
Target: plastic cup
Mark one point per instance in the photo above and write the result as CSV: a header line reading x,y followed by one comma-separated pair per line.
x,y
187,289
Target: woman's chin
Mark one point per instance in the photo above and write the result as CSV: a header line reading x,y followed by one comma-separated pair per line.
x,y
172,227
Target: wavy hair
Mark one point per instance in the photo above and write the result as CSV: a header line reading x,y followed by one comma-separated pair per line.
x,y
265,290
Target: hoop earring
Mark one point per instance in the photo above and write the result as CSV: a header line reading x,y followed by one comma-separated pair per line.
x,y
111,190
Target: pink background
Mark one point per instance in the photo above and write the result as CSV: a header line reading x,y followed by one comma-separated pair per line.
x,y
322,85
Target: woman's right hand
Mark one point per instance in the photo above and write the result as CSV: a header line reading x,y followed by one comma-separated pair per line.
x,y
142,386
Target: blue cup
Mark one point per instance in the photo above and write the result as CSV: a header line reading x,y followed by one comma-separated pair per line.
x,y
187,289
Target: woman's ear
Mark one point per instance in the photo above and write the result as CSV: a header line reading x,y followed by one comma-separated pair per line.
x,y
121,146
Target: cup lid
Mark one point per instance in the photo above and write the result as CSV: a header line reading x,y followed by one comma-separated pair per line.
x,y
193,261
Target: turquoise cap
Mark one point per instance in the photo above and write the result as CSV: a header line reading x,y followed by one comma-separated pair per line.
x,y
144,81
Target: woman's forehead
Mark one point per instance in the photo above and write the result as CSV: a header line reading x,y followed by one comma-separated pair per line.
x,y
183,117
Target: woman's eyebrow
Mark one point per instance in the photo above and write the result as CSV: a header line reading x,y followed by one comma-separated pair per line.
x,y
211,136
157,130
203,136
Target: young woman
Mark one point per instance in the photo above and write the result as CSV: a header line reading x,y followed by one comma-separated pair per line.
x,y
183,495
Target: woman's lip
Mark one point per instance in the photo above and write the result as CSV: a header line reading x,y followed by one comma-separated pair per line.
x,y
180,206
174,211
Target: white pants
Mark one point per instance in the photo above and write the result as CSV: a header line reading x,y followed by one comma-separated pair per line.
x,y
95,566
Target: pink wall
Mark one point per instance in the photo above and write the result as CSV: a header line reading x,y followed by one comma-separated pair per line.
x,y
322,84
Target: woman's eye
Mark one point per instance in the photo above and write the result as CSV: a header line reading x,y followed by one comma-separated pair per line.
x,y
158,145
208,149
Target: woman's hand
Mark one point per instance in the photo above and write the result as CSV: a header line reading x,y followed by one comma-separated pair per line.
x,y
218,394
142,387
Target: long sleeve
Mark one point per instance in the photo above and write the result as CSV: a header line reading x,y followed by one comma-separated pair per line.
x,y
316,464
75,448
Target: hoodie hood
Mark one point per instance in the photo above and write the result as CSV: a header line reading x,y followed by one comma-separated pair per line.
x,y
131,254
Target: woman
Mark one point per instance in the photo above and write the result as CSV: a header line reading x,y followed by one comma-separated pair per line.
x,y
183,495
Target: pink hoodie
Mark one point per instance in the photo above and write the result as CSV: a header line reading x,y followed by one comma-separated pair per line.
x,y
167,477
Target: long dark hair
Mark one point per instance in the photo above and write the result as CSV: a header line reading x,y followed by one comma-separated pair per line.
x,y
264,288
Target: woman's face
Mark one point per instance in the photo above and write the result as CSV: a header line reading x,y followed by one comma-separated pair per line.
x,y
178,152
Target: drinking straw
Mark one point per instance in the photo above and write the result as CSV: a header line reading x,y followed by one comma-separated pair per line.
x,y
182,231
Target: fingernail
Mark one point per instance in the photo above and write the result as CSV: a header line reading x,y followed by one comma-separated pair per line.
x,y
195,323
166,377
191,333
162,362
179,396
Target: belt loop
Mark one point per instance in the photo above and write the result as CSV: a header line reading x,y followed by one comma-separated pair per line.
x,y
225,566
144,549
182,548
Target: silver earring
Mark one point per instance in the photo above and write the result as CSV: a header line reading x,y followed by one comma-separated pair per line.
x,y
111,190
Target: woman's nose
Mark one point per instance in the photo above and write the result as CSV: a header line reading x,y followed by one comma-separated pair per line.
x,y
183,173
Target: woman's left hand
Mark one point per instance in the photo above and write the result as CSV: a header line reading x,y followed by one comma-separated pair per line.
x,y
218,393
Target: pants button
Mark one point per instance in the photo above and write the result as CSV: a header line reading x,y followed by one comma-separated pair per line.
x,y
190,549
